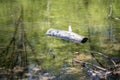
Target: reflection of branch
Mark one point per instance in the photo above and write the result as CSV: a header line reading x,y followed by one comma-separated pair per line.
x,y
110,14
117,18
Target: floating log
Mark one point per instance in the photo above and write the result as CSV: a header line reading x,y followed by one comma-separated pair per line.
x,y
66,35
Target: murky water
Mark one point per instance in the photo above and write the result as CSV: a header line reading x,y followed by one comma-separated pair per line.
x,y
98,20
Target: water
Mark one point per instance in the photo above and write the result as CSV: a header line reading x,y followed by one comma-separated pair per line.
x,y
40,15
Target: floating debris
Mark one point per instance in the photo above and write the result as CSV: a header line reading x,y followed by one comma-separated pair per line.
x,y
66,35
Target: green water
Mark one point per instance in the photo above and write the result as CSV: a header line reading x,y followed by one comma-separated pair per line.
x,y
87,17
